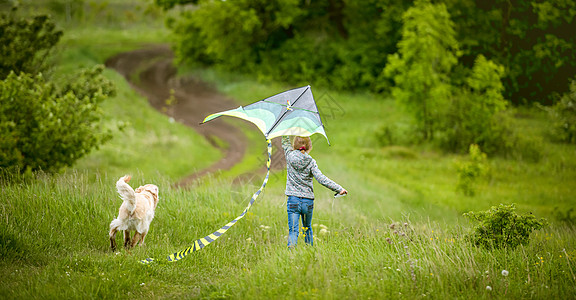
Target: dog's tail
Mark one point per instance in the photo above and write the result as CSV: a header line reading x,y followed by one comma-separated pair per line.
x,y
126,192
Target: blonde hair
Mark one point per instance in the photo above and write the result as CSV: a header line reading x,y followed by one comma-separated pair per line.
x,y
302,142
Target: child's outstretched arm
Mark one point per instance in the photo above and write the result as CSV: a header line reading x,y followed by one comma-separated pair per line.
x,y
325,181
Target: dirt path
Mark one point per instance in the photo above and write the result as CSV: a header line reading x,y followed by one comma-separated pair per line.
x,y
150,72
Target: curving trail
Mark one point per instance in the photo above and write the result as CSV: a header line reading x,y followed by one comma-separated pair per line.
x,y
150,71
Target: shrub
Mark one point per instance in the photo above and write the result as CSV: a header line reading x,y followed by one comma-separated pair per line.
x,y
471,170
44,127
477,113
563,115
502,227
25,43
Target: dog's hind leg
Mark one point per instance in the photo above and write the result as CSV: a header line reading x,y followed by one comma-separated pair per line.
x,y
112,235
136,238
143,237
126,239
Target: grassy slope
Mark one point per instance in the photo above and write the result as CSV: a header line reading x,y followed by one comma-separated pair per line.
x,y
54,229
150,143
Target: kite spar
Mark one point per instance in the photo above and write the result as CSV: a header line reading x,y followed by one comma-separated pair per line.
x,y
293,112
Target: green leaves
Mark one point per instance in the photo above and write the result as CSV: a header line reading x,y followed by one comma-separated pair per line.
x,y
502,227
234,34
421,69
25,43
471,170
43,127
563,116
346,44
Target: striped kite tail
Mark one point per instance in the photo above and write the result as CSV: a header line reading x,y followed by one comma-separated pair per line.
x,y
205,241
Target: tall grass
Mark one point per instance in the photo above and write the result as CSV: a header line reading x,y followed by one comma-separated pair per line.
x,y
54,228
55,244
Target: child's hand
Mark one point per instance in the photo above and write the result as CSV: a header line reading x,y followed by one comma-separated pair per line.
x,y
343,192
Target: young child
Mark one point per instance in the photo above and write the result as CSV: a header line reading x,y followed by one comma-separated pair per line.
x,y
301,168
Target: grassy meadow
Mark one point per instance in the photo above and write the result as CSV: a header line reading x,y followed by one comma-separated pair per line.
x,y
399,233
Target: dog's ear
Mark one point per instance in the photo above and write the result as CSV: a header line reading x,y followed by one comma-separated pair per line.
x,y
152,189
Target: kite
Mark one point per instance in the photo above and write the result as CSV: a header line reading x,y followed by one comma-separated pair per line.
x,y
293,112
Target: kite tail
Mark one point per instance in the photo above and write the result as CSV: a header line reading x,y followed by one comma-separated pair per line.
x,y
205,241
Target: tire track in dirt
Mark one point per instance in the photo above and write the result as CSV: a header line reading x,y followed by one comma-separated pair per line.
x,y
150,72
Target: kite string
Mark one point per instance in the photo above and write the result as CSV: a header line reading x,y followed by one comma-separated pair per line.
x,y
205,241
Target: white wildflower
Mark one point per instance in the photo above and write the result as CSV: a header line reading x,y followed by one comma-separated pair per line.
x,y
324,231
488,288
504,273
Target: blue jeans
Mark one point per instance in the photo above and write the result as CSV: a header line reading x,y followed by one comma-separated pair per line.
x,y
299,207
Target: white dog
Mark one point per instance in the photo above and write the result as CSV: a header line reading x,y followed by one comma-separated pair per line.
x,y
136,212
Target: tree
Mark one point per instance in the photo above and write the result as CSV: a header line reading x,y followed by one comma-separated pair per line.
x,y
340,43
25,43
563,116
476,111
533,40
46,127
233,34
422,66
452,105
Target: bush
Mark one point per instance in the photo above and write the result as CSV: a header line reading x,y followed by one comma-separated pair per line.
x,y
502,227
44,127
471,170
563,115
25,43
477,114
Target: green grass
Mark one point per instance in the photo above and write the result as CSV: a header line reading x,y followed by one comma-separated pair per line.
x,y
149,142
54,228
54,234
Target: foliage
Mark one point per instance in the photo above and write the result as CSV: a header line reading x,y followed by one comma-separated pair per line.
x,y
530,39
421,69
502,227
563,115
25,43
471,170
324,42
43,126
168,4
233,33
455,106
566,216
476,113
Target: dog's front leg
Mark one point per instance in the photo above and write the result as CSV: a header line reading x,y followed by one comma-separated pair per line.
x,y
126,239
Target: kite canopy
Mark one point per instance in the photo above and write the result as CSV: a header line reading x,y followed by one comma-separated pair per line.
x,y
292,112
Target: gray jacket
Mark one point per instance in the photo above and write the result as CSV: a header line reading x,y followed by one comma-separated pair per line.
x,y
301,168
